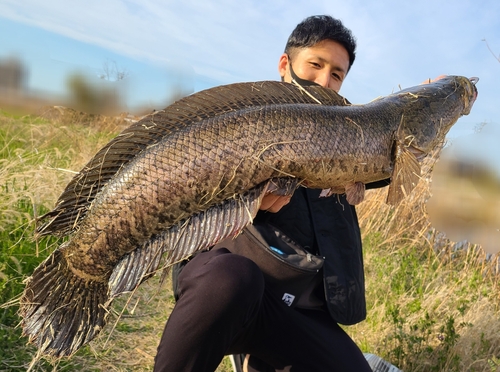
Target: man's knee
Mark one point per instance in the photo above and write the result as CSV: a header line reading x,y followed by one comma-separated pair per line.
x,y
224,276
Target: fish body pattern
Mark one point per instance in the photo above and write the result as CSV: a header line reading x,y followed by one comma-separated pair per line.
x,y
186,177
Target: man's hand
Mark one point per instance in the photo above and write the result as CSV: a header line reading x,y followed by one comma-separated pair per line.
x,y
273,203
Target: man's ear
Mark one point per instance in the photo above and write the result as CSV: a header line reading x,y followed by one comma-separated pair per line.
x,y
282,65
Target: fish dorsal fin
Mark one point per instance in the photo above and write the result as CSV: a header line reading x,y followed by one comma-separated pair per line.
x,y
77,198
405,176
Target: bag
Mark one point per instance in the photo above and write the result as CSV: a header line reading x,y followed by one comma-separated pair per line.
x,y
291,273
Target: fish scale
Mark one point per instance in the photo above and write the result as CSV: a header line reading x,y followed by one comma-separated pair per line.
x,y
193,174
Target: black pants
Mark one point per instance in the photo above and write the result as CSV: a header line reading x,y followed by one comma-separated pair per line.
x,y
223,308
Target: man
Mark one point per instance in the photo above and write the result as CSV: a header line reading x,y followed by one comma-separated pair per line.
x,y
224,305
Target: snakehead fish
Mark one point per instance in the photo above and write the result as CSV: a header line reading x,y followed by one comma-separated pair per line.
x,y
186,177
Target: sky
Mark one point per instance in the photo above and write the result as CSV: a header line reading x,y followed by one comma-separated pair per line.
x,y
170,46
194,45
201,44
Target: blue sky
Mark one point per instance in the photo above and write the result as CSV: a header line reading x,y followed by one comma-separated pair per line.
x,y
199,44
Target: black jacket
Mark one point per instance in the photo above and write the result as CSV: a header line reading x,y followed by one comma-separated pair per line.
x,y
328,227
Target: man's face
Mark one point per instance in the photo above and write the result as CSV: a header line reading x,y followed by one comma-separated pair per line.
x,y
325,63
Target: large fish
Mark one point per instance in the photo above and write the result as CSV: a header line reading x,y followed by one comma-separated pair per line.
x,y
184,178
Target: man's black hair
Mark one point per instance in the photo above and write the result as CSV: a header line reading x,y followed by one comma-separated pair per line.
x,y
317,28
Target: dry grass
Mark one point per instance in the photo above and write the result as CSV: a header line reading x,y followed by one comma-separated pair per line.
x,y
134,329
43,157
40,155
432,306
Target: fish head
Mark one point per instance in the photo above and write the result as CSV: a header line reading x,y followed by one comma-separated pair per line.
x,y
432,109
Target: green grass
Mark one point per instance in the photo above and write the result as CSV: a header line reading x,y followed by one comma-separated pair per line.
x,y
430,308
36,158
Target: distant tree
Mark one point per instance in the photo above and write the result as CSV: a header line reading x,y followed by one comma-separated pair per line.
x,y
111,72
91,98
12,74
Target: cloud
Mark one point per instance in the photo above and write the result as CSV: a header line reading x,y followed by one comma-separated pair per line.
x,y
400,43
217,35
216,39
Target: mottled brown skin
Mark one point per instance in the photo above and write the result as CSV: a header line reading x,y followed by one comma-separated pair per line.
x,y
323,146
197,166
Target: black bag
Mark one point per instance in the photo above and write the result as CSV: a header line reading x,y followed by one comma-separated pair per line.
x,y
291,273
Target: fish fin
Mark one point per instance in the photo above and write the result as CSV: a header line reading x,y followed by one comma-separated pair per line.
x,y
405,176
321,95
76,200
199,232
61,311
355,193
136,267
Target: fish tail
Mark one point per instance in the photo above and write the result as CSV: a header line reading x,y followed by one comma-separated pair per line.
x,y
61,311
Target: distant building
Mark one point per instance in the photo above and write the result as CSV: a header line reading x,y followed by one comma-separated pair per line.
x,y
12,75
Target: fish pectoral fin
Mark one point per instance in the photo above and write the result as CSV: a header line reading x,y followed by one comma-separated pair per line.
x,y
355,193
405,176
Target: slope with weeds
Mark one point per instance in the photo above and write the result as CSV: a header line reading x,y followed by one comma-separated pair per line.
x,y
432,306
37,158
433,303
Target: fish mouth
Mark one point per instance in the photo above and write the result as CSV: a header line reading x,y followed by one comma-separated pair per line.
x,y
472,94
419,154
474,81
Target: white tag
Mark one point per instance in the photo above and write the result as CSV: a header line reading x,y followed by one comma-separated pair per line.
x,y
288,299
